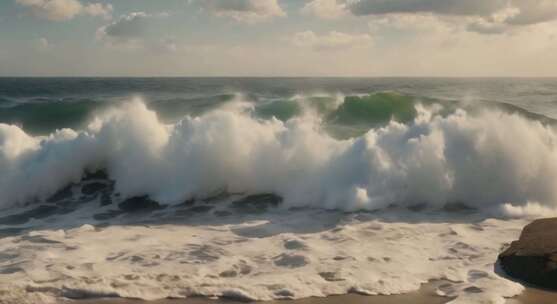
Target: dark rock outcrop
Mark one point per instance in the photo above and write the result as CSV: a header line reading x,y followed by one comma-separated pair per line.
x,y
39,212
97,175
63,194
105,199
139,204
93,188
533,258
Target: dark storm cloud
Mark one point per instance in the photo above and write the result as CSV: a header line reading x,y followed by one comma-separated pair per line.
x,y
446,7
525,12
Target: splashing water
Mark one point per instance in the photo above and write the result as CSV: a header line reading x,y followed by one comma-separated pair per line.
x,y
186,191
484,159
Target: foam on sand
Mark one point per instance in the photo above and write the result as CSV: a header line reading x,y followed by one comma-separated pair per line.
x,y
279,254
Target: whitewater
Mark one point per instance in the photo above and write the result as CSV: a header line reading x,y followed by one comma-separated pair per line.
x,y
485,160
310,195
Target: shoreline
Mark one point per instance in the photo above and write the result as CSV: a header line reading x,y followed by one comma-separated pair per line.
x,y
426,295
533,295
138,261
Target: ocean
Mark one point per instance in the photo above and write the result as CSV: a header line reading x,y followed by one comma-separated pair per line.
x,y
269,188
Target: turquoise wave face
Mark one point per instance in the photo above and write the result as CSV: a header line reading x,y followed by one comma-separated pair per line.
x,y
375,109
44,118
342,117
354,116
282,110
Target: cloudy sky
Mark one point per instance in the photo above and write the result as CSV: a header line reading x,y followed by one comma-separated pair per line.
x,y
278,38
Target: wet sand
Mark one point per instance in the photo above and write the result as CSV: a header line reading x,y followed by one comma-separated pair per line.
x,y
424,296
535,296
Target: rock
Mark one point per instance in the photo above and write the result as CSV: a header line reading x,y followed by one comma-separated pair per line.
x,y
187,203
533,258
457,207
195,209
63,194
107,215
92,188
39,212
100,174
138,204
220,213
105,199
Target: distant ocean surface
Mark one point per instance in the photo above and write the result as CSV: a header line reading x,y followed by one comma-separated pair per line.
x,y
42,105
269,188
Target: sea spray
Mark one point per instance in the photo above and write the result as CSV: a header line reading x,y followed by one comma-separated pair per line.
x,y
484,159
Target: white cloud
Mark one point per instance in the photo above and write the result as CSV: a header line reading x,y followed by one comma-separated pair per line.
x,y
416,31
331,41
325,9
133,31
483,26
126,31
411,23
98,9
532,12
128,26
248,11
56,10
60,10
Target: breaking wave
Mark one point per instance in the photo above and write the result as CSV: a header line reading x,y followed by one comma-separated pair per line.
x,y
405,153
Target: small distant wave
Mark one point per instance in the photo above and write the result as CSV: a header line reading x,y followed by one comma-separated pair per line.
x,y
512,109
172,110
43,118
42,115
343,116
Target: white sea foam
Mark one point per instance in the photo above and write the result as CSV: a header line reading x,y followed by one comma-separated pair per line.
x,y
485,160
276,255
501,164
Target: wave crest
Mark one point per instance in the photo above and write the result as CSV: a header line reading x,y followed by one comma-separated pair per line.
x,y
484,159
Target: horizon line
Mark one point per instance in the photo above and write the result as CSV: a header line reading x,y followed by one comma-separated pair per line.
x,y
286,77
